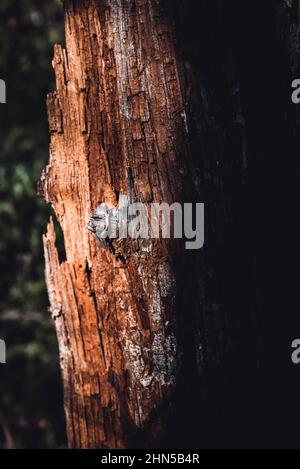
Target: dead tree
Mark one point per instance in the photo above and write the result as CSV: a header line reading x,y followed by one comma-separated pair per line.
x,y
150,103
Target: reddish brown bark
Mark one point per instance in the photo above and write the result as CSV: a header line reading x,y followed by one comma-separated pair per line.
x,y
160,347
117,120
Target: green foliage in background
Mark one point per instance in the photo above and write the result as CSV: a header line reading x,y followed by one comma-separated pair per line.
x,y
30,391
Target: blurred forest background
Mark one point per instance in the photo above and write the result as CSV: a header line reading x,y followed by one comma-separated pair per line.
x,y
31,410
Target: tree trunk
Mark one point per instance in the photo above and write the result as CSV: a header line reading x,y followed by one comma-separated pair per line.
x,y
155,101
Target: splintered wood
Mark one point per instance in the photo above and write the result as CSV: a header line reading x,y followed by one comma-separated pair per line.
x,y
117,121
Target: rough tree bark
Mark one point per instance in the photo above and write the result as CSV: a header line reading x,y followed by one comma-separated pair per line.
x,y
151,343
117,121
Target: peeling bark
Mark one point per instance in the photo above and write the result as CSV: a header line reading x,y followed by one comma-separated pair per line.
x,y
114,120
156,347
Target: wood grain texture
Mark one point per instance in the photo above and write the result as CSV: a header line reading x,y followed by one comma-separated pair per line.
x,y
165,101
114,120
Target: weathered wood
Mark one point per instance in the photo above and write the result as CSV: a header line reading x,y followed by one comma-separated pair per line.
x,y
114,120
160,100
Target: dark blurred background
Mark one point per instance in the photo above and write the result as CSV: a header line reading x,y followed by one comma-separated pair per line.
x,y
31,408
